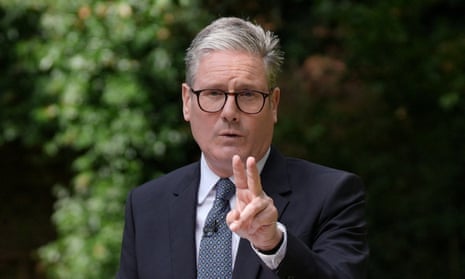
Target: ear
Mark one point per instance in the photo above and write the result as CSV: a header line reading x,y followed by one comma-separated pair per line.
x,y
186,101
275,102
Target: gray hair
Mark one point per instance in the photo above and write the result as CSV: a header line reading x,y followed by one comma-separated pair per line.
x,y
230,33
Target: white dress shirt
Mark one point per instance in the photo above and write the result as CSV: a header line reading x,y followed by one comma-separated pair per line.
x,y
205,200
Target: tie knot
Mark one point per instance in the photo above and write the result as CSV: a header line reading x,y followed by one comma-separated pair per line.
x,y
225,189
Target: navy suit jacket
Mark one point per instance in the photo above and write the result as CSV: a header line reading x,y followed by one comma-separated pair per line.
x,y
322,209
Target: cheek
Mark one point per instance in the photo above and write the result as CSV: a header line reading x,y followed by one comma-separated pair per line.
x,y
263,130
202,127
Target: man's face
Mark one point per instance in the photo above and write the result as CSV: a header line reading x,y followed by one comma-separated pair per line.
x,y
223,134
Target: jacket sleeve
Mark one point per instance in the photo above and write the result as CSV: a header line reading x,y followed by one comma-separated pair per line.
x,y
128,263
338,247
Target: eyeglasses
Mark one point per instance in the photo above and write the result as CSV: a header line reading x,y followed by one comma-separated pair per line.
x,y
247,101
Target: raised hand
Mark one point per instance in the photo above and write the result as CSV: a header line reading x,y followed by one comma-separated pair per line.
x,y
254,216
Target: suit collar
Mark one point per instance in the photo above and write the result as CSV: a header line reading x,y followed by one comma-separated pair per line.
x,y
274,175
275,180
182,216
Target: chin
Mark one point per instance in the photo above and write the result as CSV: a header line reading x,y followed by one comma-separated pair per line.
x,y
225,154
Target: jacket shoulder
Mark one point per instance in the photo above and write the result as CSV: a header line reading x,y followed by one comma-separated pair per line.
x,y
170,181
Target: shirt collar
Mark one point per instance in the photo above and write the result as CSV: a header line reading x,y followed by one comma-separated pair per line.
x,y
208,178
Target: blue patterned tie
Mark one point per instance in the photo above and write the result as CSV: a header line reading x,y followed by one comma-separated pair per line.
x,y
215,260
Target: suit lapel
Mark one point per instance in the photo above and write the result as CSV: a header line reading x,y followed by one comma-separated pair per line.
x,y
275,184
274,180
247,263
182,216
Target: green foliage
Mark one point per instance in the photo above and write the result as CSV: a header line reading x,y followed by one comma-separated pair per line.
x,y
375,87
384,96
17,27
105,85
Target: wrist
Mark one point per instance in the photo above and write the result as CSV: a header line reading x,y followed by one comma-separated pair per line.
x,y
275,249
271,246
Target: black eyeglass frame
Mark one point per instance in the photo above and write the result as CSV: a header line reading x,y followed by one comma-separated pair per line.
x,y
235,94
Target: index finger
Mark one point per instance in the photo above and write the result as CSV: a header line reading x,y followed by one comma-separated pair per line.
x,y
240,178
253,177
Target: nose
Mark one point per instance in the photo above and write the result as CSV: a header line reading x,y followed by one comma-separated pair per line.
x,y
230,110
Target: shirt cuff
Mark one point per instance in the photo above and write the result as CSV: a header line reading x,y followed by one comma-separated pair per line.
x,y
273,260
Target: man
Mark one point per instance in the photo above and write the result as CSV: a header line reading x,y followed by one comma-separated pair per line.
x,y
287,218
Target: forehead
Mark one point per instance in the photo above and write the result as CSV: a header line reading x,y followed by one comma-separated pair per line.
x,y
230,68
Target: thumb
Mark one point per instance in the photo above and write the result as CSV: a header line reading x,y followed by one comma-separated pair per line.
x,y
231,218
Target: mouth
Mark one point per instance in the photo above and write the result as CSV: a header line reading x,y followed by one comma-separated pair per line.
x,y
230,134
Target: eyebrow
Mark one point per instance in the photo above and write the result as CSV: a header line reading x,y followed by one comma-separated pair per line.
x,y
223,87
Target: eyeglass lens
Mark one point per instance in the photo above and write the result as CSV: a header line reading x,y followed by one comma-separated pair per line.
x,y
248,101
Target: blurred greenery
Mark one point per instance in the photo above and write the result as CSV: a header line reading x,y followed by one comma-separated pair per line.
x,y
102,81
375,87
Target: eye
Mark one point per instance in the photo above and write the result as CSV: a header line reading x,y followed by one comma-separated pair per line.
x,y
213,93
247,94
